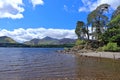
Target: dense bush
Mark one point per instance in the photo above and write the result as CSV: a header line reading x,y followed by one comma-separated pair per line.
x,y
79,42
111,47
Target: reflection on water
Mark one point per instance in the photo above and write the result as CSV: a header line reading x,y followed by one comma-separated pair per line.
x,y
45,63
32,63
98,69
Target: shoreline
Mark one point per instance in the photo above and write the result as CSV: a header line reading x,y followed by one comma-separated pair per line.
x,y
89,53
111,55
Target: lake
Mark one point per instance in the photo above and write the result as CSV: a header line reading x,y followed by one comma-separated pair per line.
x,y
46,63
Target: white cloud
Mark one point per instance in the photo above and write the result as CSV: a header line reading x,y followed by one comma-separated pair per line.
x,y
90,5
22,35
65,8
11,9
37,2
14,8
83,9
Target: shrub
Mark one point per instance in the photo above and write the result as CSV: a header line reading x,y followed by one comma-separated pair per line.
x,y
65,48
100,49
79,42
111,47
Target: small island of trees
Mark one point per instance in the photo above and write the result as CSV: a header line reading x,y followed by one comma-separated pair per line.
x,y
105,32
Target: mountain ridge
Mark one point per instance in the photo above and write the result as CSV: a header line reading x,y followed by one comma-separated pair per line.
x,y
50,41
44,41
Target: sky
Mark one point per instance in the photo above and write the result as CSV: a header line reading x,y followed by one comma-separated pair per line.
x,y
24,20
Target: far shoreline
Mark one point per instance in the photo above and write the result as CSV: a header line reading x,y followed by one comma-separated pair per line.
x,y
95,54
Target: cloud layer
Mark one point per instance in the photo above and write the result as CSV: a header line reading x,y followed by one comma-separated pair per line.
x,y
22,35
89,5
14,8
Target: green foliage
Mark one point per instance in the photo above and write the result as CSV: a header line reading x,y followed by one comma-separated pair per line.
x,y
102,31
111,47
66,48
113,32
79,42
98,20
115,22
100,49
115,38
78,29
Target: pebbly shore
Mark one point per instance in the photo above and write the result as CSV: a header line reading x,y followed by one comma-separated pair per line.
x,y
91,53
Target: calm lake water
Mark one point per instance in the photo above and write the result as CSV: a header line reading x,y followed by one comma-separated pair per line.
x,y
47,64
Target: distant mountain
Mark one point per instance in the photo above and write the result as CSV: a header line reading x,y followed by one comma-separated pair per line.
x,y
5,39
46,40
50,41
66,41
32,42
49,38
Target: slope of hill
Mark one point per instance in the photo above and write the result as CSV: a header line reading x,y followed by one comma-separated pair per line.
x,y
5,39
50,41
44,41
32,42
67,41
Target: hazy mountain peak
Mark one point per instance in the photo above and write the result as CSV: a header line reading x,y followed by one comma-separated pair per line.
x,y
48,38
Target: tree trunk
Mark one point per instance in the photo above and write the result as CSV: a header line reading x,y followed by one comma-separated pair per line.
x,y
87,33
